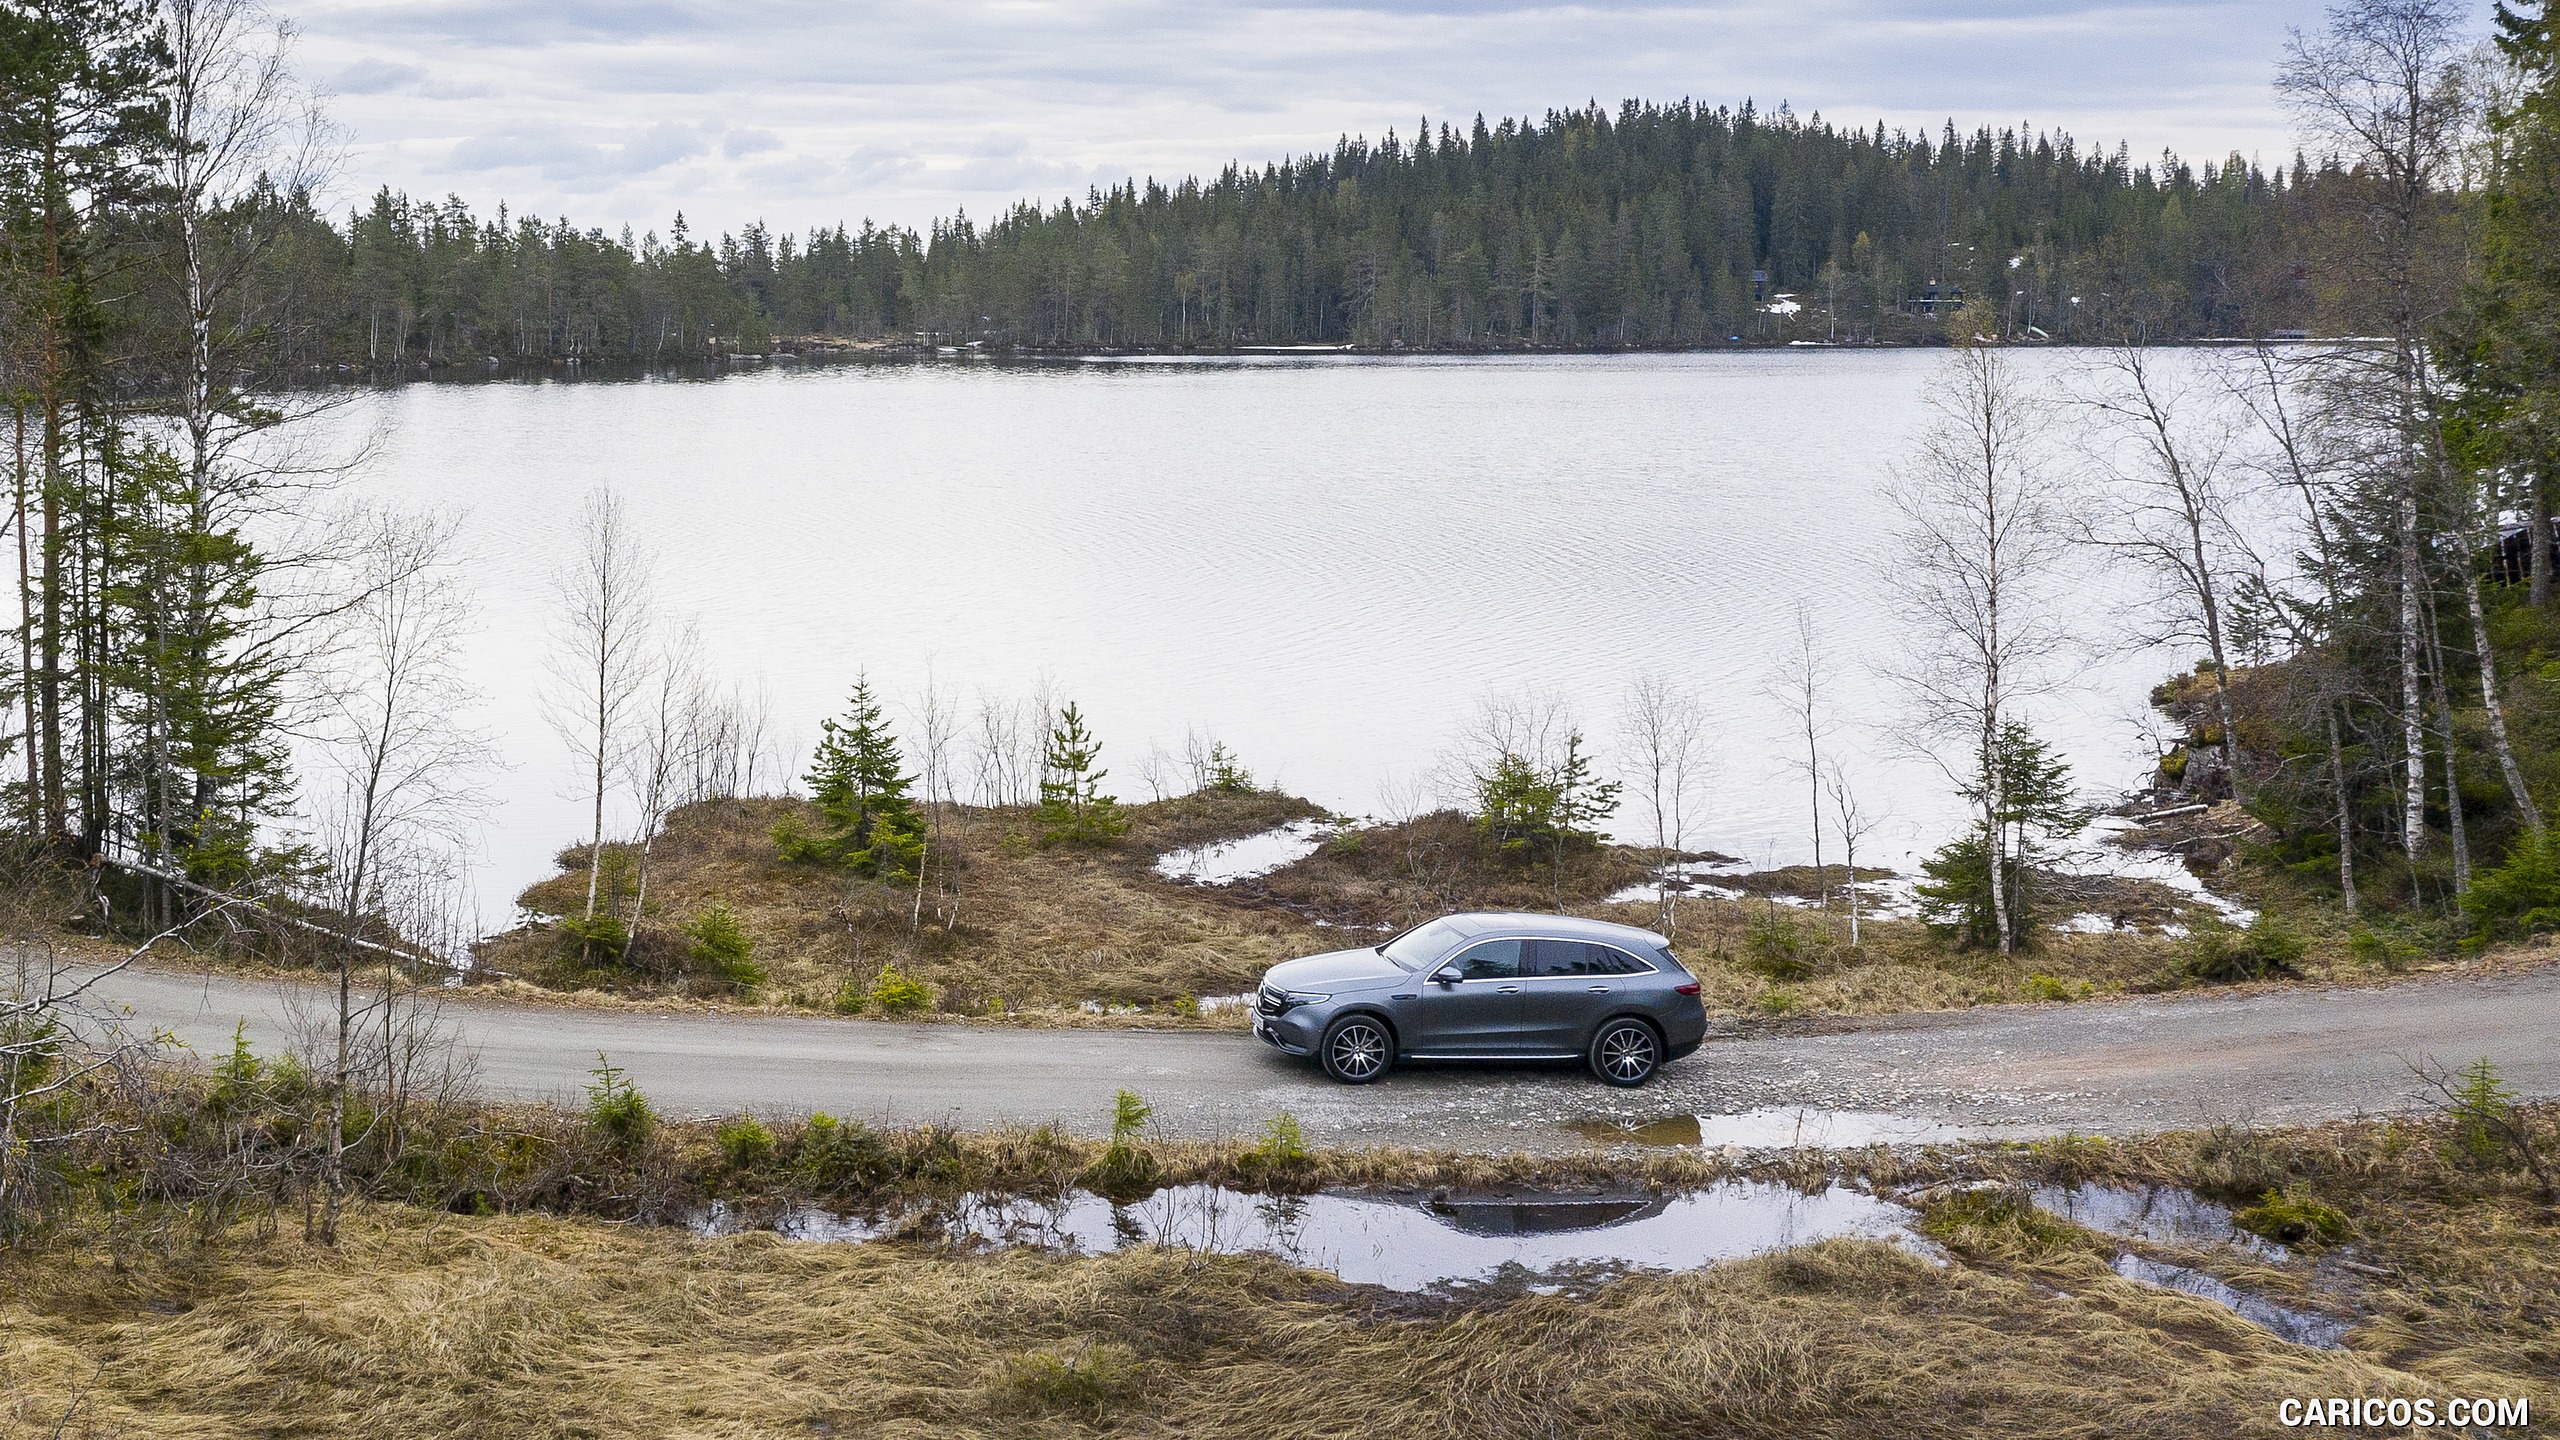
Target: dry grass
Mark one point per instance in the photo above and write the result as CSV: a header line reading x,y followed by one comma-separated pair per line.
x,y
424,1323
1031,928
437,1326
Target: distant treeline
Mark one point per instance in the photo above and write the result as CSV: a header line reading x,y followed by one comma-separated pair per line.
x,y
1655,226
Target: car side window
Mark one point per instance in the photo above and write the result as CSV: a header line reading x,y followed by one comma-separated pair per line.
x,y
1492,960
1565,957
1622,963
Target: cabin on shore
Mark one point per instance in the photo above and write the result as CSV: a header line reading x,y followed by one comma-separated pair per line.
x,y
2515,553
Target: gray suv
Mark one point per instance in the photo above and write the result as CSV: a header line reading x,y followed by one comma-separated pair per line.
x,y
1488,987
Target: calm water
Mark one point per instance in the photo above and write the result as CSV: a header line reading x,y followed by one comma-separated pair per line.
x,y
1326,563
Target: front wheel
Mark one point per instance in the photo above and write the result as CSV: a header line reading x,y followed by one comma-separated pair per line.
x,y
1625,1053
1357,1050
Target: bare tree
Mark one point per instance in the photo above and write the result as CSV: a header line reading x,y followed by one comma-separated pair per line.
x,y
936,713
599,655
1801,681
1978,544
1663,734
1856,823
672,706
2303,601
2163,507
400,789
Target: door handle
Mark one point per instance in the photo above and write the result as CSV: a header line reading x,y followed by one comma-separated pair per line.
x,y
1507,990
1597,989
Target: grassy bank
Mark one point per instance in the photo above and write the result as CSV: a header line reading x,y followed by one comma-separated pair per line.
x,y
1013,929
424,1322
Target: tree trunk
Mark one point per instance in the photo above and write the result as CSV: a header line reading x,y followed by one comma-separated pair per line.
x,y
2346,813
2413,719
2452,768
2497,712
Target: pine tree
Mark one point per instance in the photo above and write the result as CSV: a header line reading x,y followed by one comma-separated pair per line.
x,y
2035,808
1073,809
870,824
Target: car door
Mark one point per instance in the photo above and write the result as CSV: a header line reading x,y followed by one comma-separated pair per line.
x,y
1567,986
1477,1014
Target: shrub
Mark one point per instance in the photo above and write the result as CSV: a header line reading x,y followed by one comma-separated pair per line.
x,y
744,1142
2041,986
851,998
1282,1147
1955,899
717,944
1777,947
841,1154
1089,1381
1126,1169
2289,1218
615,1107
600,940
2522,894
2482,1109
1779,1000
1225,775
895,994
1186,1006
2220,953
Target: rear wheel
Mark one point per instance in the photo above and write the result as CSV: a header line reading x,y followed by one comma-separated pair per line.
x,y
1625,1053
1357,1050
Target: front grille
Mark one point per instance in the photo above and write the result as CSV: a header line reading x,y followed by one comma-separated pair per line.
x,y
1271,1003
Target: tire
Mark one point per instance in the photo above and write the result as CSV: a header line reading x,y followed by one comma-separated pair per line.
x,y
1625,1053
1357,1049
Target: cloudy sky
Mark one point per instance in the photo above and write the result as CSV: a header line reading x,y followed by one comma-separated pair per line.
x,y
805,112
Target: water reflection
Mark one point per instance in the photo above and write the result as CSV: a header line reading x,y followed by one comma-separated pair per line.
x,y
1399,1244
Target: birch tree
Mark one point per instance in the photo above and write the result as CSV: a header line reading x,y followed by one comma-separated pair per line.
x,y
600,656
1974,562
1662,732
2163,505
402,773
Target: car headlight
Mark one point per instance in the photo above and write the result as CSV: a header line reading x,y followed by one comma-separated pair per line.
x,y
1292,999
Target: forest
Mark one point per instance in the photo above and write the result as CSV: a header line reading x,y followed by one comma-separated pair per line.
x,y
1652,226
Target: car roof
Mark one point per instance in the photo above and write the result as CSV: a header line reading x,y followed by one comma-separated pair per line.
x,y
1552,927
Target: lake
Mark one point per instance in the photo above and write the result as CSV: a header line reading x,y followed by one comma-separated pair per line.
x,y
1328,563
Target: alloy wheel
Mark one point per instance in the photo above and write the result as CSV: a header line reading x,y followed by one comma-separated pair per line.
x,y
1356,1051
1626,1054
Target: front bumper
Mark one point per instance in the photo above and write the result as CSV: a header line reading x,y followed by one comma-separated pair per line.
x,y
1288,1033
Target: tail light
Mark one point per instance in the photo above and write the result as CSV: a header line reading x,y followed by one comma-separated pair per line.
x,y
1689,989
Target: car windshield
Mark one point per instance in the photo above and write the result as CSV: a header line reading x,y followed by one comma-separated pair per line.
x,y
1422,945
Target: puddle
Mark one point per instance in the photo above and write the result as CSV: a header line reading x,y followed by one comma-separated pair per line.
x,y
1669,1133
1774,1127
1229,861
2321,1332
2162,1215
1398,1244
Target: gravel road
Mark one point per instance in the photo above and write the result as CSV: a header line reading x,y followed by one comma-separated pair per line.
x,y
2273,1057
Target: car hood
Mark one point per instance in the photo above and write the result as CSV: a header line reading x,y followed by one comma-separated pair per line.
x,y
1333,969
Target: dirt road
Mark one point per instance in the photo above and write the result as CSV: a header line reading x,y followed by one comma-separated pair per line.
x,y
2282,1056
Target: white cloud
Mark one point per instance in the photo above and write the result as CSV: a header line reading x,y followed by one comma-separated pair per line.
x,y
621,113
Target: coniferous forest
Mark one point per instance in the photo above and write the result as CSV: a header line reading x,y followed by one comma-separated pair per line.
x,y
1648,227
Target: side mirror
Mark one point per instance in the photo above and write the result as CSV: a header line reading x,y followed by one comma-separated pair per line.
x,y
1446,975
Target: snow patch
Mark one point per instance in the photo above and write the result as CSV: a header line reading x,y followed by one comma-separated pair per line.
x,y
1229,861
